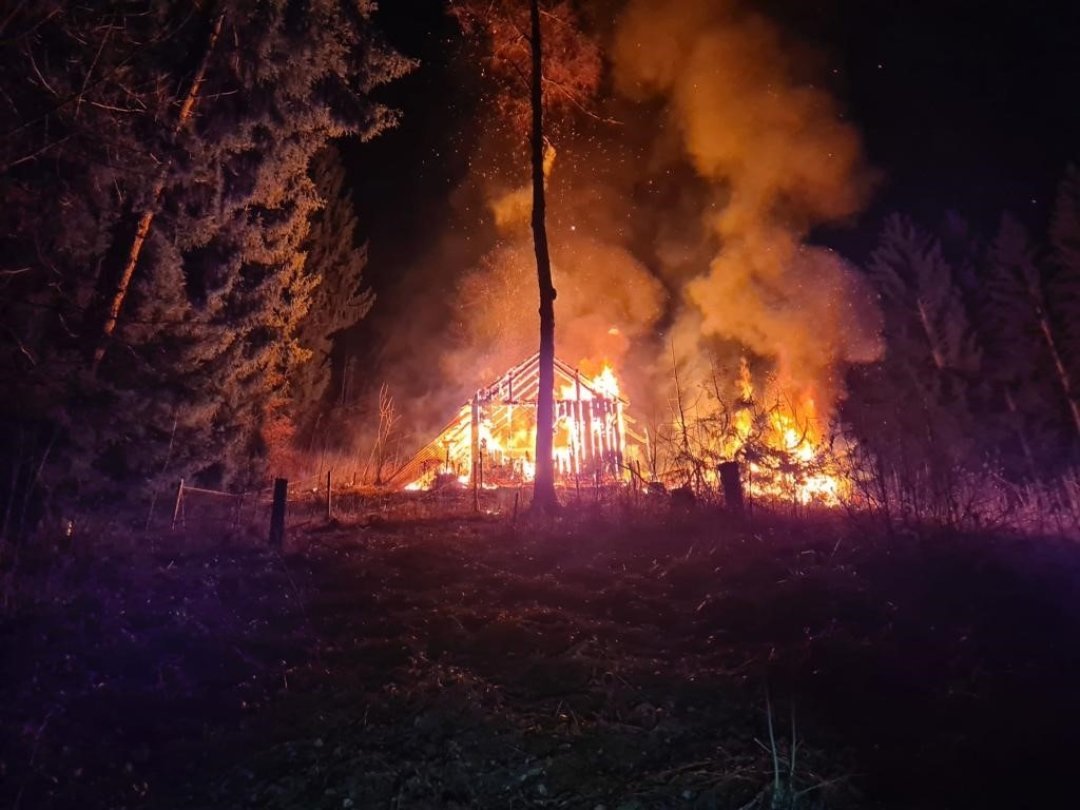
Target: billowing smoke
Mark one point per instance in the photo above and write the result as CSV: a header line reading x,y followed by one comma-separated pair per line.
x,y
608,301
784,161
682,230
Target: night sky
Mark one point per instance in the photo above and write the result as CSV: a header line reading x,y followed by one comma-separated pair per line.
x,y
964,106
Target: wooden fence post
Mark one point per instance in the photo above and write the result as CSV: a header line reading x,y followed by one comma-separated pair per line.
x,y
478,481
277,513
329,505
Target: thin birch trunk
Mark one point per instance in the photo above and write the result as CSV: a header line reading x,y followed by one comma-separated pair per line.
x,y
1063,374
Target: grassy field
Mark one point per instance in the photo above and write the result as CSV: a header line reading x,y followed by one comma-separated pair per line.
x,y
617,662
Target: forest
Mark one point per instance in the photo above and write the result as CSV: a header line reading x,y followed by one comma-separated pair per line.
x,y
248,241
196,315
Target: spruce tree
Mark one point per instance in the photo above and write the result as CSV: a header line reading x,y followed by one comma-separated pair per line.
x,y
339,300
195,371
914,409
79,146
1063,284
1024,347
924,309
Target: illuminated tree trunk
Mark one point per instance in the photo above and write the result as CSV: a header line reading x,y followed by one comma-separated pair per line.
x,y
544,483
146,219
1059,366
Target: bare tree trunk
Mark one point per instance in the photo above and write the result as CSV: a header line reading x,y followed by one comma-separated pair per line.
x,y
544,484
693,472
1021,433
146,219
1059,366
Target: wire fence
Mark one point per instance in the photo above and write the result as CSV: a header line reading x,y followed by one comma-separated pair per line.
x,y
199,511
202,512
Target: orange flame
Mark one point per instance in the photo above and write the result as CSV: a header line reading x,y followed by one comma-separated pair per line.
x,y
781,446
506,445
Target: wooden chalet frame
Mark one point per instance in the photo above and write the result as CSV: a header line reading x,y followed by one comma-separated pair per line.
x,y
591,423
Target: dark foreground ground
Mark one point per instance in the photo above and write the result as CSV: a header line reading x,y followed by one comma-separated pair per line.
x,y
591,663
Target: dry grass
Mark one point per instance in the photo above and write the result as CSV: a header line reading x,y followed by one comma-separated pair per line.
x,y
611,656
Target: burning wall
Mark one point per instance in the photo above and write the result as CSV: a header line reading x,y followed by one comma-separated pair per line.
x,y
491,439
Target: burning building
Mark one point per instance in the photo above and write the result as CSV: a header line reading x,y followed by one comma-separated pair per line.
x,y
677,245
491,439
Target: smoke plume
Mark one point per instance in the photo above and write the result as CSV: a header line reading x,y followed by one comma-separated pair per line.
x,y
606,301
683,226
784,161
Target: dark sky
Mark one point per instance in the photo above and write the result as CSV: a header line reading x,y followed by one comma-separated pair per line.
x,y
964,106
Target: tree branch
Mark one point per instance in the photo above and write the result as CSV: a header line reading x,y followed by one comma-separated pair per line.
x,y
576,102
34,155
90,72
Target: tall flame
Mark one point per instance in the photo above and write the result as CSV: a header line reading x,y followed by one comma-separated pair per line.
x,y
606,383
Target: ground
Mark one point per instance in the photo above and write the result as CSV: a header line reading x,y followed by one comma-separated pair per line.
x,y
617,660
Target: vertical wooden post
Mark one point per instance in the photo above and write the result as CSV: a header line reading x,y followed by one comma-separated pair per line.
x,y
586,419
605,429
618,440
329,504
277,513
474,435
478,481
578,427
179,502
